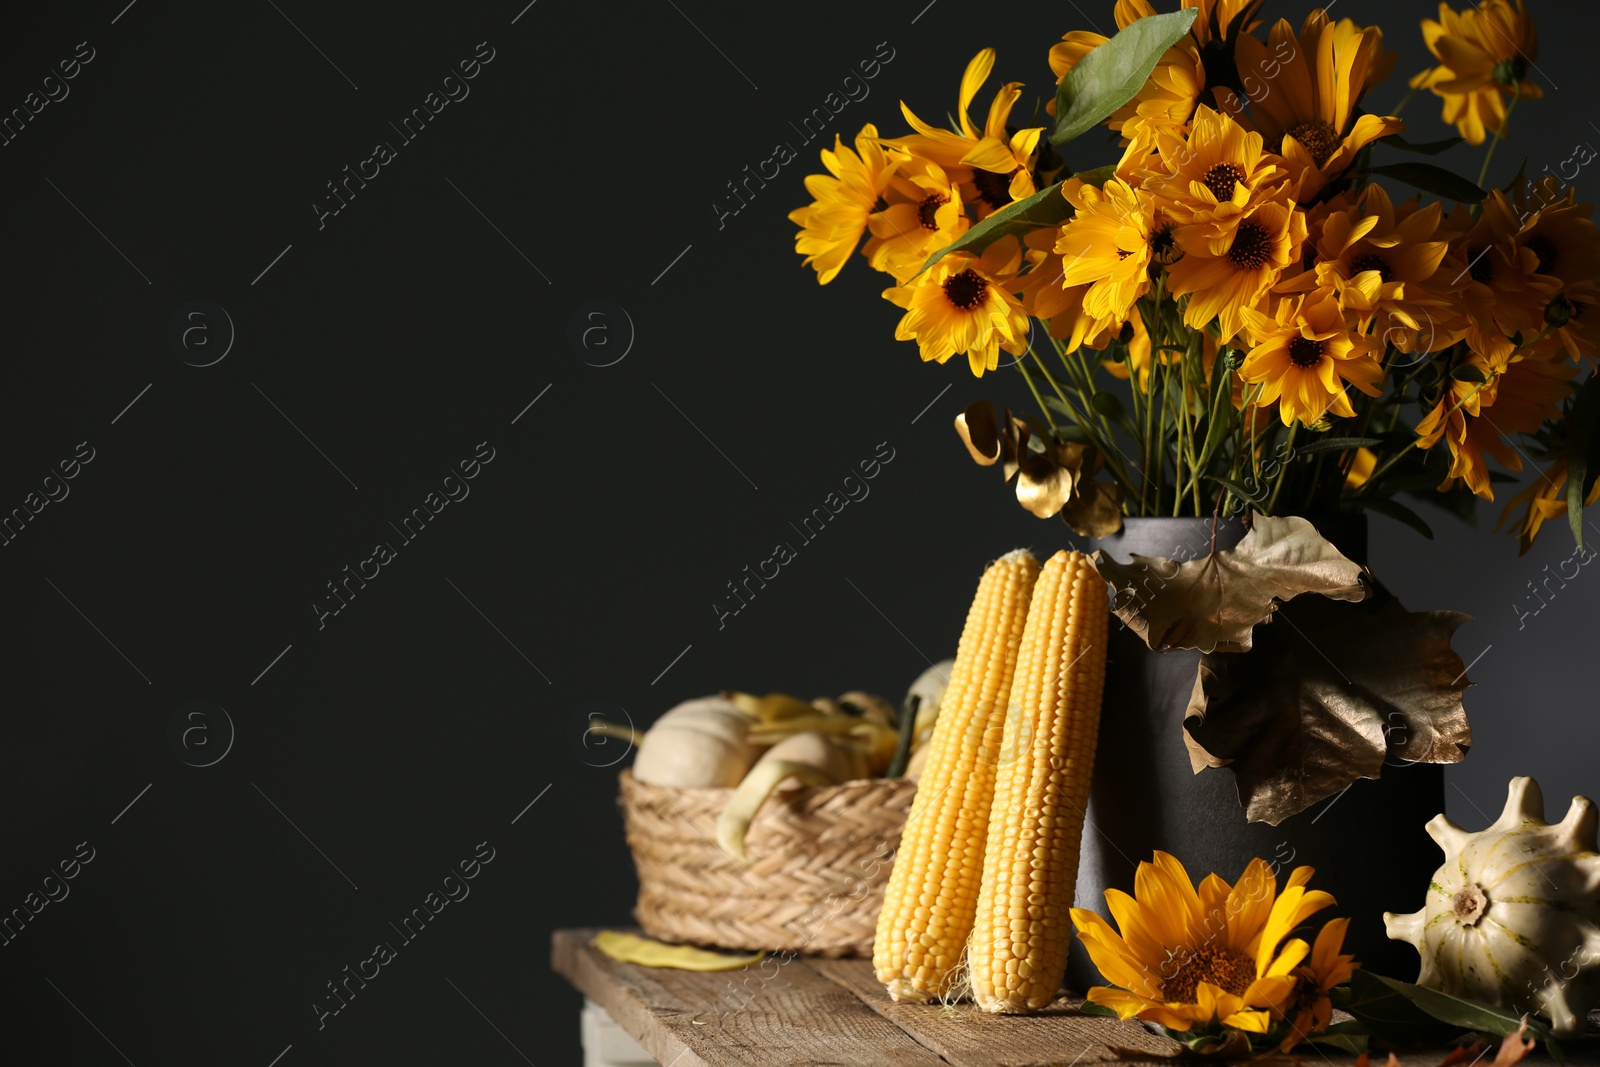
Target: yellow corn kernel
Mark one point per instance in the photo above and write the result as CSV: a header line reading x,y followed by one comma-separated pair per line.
x,y
1046,755
933,888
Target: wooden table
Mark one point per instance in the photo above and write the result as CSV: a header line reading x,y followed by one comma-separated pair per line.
x,y
812,1011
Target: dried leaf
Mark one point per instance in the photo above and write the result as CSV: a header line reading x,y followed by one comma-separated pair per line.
x,y
979,427
648,952
1049,476
1329,692
1514,1047
1213,604
1097,509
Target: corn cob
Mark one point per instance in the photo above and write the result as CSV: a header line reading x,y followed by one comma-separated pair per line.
x,y
933,888
1018,952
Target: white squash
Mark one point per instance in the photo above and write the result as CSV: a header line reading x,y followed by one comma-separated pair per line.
x,y
929,690
1513,916
808,758
700,744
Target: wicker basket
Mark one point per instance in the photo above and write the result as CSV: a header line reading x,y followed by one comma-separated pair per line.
x,y
818,861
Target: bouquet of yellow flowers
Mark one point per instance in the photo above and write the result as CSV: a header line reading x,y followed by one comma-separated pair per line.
x,y
1296,337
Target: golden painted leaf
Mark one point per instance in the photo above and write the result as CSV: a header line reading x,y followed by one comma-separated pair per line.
x,y
1096,511
1213,604
648,952
1329,692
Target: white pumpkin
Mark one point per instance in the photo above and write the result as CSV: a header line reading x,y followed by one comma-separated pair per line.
x,y
929,690
700,744
1513,916
807,758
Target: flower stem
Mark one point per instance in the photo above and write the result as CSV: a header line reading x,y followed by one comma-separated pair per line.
x,y
1498,134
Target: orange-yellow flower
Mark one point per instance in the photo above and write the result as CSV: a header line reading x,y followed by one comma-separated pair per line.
x,y
832,225
1106,246
964,305
1304,356
1229,265
1186,957
1544,498
1308,112
921,214
991,168
1312,1009
1475,418
1399,245
1484,54
1214,174
1502,290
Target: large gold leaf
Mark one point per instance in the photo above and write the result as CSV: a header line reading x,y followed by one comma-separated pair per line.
x,y
1329,692
1213,604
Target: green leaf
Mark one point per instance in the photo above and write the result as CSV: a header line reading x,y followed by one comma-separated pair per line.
x,y
1405,1014
1256,498
1098,176
1400,513
1468,373
1427,148
1112,74
1431,179
1219,422
1090,1008
1107,405
1047,207
1343,1036
1582,444
1337,444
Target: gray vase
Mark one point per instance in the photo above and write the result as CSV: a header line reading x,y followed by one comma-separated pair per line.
x,y
1368,845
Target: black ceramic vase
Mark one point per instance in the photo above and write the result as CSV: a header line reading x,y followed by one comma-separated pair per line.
x,y
1368,845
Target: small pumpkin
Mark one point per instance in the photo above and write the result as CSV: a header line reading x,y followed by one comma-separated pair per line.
x,y
1513,916
700,744
808,758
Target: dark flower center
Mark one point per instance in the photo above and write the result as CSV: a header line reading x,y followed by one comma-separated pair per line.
x,y
1224,968
1304,353
1318,138
1251,246
925,210
1545,249
1162,245
966,290
1373,262
879,204
993,189
1221,180
1479,265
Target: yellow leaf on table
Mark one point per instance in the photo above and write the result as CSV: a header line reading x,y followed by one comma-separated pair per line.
x,y
647,952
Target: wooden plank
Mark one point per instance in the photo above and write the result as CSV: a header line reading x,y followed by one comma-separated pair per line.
x,y
1060,1035
967,1037
771,1015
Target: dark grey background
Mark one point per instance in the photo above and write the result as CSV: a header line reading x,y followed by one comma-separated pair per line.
x,y
415,724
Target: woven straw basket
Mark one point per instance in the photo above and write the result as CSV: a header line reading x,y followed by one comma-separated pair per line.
x,y
818,861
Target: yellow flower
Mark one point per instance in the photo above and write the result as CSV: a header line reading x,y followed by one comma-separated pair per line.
x,y
1397,244
1502,290
1544,498
1060,309
1558,232
1164,102
991,169
1475,418
832,225
1304,355
1484,54
1189,958
1229,266
1106,245
1312,1010
921,214
1361,468
1220,21
963,304
1214,174
1308,112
